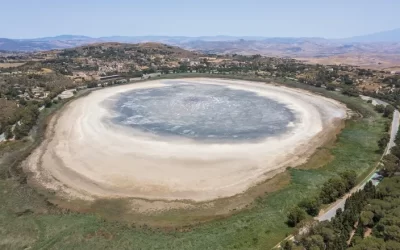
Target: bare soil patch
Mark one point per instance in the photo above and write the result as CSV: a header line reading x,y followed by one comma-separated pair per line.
x,y
10,65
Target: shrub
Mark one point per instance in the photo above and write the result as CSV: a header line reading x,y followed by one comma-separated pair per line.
x,y
295,215
311,205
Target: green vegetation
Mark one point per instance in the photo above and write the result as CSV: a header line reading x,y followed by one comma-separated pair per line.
x,y
296,214
22,95
336,187
331,190
29,220
311,205
334,234
391,163
370,220
387,111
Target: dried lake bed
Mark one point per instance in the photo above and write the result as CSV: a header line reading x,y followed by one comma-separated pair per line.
x,y
188,139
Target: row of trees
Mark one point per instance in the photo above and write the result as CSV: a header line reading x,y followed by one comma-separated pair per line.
x,y
386,111
331,190
390,164
370,219
335,234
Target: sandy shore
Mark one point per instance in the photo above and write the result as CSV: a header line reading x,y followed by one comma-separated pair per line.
x,y
84,156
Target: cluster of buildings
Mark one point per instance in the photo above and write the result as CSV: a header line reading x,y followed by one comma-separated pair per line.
x,y
31,93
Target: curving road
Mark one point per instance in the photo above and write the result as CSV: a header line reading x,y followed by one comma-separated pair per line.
x,y
393,132
331,212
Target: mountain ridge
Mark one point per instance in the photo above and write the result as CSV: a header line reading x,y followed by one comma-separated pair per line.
x,y
378,50
382,36
68,41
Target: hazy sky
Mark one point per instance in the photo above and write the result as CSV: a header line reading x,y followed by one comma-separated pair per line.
x,y
287,18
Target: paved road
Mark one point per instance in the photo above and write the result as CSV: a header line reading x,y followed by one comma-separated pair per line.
x,y
340,203
374,100
331,212
393,132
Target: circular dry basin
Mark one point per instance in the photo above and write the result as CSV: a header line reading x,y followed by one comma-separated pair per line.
x,y
192,139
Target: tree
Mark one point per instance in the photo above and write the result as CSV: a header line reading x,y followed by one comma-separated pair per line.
x,y
47,103
382,143
369,190
370,243
346,80
390,165
380,108
396,151
311,205
327,233
8,133
388,111
397,139
332,189
392,233
92,84
314,242
295,215
366,218
349,178
350,92
392,245
19,132
22,101
330,87
287,245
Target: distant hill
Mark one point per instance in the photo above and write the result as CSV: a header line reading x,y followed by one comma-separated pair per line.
x,y
113,50
272,46
70,41
45,43
17,45
384,36
60,38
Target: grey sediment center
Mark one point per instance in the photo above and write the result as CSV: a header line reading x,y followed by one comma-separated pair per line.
x,y
202,112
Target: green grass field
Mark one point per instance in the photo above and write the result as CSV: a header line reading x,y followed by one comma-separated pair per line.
x,y
28,221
